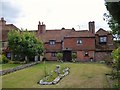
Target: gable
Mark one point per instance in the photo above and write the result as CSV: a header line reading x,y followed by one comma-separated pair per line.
x,y
102,32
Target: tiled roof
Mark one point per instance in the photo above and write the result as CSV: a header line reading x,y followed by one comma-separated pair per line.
x,y
58,35
83,33
6,29
101,32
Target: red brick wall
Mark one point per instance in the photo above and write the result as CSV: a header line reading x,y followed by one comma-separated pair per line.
x,y
87,43
56,47
49,57
81,55
110,39
101,55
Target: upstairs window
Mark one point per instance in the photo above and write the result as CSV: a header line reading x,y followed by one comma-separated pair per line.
x,y
79,41
52,42
103,39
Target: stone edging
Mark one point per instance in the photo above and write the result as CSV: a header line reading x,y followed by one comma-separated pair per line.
x,y
4,72
56,80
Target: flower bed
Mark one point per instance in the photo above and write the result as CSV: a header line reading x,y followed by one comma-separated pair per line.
x,y
54,77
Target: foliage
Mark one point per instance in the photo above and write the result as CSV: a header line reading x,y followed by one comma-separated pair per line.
x,y
114,10
74,56
116,64
24,44
4,59
116,57
113,17
59,56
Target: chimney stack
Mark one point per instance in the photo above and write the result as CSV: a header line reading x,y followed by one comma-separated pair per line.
x,y
2,22
92,27
41,28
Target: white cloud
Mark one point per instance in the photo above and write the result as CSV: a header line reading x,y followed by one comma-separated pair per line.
x,y
60,13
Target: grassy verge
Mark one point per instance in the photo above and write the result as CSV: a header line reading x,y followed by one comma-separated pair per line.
x,y
82,75
8,66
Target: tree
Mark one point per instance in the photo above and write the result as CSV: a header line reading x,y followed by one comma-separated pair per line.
x,y
24,44
113,17
14,40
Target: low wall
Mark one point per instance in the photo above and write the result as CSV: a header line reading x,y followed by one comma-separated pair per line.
x,y
4,72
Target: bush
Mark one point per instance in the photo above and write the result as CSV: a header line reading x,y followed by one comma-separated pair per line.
x,y
59,56
4,59
74,56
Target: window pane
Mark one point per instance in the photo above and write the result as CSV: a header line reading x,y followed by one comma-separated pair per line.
x,y
79,41
52,42
103,39
53,54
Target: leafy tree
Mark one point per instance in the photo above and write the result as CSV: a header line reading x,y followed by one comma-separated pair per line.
x,y
113,17
59,56
24,44
14,40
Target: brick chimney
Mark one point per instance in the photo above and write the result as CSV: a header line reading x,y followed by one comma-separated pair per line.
x,y
41,28
2,22
92,27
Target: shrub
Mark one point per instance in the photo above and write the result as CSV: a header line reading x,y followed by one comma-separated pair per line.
x,y
59,56
74,56
116,57
4,59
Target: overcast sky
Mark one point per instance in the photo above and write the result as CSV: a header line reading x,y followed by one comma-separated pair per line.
x,y
54,13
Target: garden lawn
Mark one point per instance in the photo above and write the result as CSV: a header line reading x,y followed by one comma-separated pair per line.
x,y
82,75
8,66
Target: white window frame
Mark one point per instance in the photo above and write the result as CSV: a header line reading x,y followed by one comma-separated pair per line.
x,y
103,39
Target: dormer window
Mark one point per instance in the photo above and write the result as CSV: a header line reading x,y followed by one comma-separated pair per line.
x,y
103,39
79,41
52,42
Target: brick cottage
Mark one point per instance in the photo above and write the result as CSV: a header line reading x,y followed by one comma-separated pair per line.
x,y
87,44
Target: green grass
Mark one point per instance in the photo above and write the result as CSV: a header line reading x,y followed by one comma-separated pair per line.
x,y
82,75
8,66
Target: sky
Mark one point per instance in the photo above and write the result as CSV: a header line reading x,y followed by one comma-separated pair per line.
x,y
55,14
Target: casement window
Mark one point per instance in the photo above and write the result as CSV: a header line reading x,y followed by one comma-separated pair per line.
x,y
79,41
52,42
53,54
86,53
103,39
